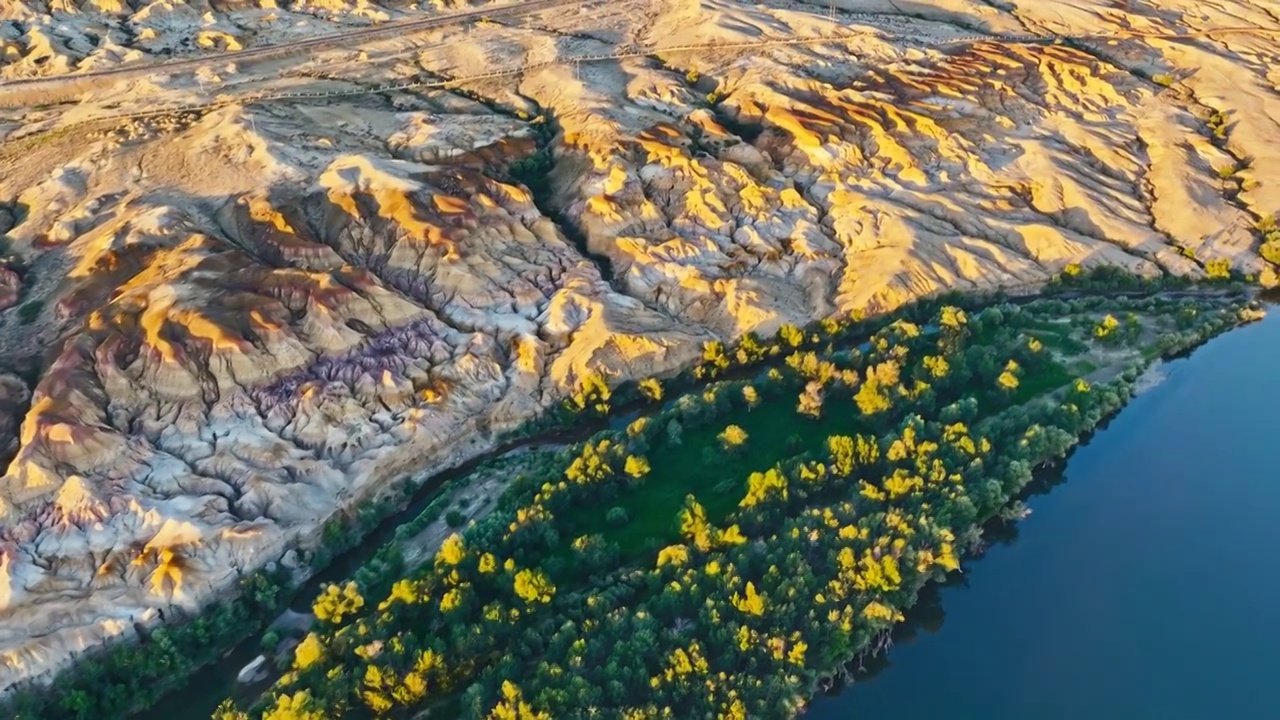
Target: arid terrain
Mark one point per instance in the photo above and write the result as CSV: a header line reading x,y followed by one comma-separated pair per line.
x,y
256,275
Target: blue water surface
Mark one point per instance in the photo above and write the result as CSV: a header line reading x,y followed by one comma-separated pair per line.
x,y
1146,584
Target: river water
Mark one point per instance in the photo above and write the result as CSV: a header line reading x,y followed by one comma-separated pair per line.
x,y
1140,587
1144,584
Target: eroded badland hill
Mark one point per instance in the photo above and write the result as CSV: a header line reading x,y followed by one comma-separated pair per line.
x,y
248,290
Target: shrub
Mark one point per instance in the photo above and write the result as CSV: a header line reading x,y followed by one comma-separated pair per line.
x,y
454,518
675,432
270,641
617,517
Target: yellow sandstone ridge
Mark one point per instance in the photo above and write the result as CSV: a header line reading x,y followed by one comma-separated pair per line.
x,y
264,290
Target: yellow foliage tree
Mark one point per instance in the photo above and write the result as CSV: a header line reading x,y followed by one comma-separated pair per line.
x,y
651,388
452,551
1219,269
749,602
673,555
796,655
735,710
403,591
761,485
732,437
593,465
293,707
1007,381
937,365
637,426
513,706
714,357
676,555
947,557
871,399
1106,327
375,681
308,652
592,393
879,611
791,335
811,400
731,535
532,586
334,604
694,526
451,599
637,466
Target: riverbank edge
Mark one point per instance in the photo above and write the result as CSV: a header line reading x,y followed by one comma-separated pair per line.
x,y
1126,389
1235,312
364,516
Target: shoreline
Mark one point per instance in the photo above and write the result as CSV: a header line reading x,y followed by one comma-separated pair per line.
x,y
397,503
843,678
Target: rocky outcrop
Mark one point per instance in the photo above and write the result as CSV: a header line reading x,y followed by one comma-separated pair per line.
x,y
253,314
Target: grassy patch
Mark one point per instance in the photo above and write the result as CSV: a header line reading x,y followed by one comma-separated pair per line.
x,y
698,465
1083,367
717,478
520,601
1060,339
1047,379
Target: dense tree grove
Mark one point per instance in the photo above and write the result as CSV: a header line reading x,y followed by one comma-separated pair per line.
x,y
732,608
716,559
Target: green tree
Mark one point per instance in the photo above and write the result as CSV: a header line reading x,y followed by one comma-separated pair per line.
x,y
675,432
617,517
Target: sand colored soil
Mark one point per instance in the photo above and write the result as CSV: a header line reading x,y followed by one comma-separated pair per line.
x,y
250,290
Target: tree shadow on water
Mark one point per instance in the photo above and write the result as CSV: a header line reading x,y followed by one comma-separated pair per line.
x,y
927,615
